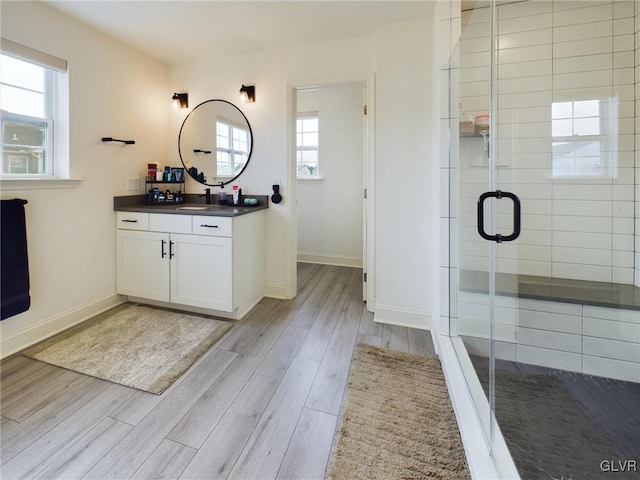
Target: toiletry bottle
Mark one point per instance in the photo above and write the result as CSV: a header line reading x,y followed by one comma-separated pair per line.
x,y
236,194
222,196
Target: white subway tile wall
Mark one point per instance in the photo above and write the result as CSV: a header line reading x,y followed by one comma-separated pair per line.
x,y
581,338
583,219
581,227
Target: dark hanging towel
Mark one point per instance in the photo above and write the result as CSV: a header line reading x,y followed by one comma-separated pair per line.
x,y
14,265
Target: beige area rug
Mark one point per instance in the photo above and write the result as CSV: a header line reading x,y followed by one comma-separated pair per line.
x,y
397,421
141,347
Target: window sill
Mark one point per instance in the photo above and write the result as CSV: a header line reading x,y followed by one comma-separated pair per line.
x,y
310,179
7,184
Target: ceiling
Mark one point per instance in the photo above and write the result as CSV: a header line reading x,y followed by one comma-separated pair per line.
x,y
174,31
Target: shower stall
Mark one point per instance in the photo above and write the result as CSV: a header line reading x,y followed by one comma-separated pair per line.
x,y
542,182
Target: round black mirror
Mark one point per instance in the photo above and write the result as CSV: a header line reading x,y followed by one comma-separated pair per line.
x,y
215,142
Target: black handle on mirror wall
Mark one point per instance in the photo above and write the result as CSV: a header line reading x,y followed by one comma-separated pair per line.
x,y
498,238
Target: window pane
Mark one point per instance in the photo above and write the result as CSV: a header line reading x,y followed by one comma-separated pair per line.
x,y
561,128
22,74
588,166
223,164
307,170
563,149
562,110
23,102
240,140
309,156
307,142
223,142
586,108
587,149
587,126
310,139
27,92
23,151
310,124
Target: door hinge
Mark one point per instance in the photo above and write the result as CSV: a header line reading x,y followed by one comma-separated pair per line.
x,y
364,277
365,193
365,109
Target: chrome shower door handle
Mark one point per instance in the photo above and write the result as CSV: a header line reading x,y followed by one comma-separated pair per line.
x,y
499,238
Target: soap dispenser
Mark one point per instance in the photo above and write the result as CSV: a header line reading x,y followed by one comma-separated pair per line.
x,y
222,195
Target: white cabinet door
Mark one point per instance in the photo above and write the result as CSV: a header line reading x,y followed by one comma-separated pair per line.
x,y
143,264
202,271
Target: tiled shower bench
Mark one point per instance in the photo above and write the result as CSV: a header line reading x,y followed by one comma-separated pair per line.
x,y
577,325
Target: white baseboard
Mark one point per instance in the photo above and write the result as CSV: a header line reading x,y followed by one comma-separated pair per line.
x,y
328,259
276,291
402,317
43,330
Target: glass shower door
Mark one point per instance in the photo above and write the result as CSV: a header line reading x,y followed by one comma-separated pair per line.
x,y
547,324
563,140
472,173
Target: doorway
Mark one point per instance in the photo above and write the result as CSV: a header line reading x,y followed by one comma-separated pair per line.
x,y
331,169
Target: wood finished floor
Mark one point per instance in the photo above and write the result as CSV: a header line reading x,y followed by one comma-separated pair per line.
x,y
263,403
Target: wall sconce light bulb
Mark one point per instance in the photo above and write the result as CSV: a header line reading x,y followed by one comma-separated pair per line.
x,y
248,94
180,100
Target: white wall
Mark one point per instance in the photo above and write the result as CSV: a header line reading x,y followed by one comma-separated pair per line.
x,y
407,174
114,91
330,210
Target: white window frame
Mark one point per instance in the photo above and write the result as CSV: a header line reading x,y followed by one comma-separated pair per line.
x,y
56,118
233,153
607,139
302,148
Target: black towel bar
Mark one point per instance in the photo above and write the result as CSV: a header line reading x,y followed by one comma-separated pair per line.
x,y
110,139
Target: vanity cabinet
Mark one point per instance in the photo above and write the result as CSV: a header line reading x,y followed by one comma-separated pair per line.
x,y
143,264
202,271
208,262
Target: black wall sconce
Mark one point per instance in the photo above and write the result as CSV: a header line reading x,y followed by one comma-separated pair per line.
x,y
180,100
248,93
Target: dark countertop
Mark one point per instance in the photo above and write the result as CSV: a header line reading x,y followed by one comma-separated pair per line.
x,y
193,205
599,294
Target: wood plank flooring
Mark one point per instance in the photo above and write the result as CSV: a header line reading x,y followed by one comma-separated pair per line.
x,y
263,403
